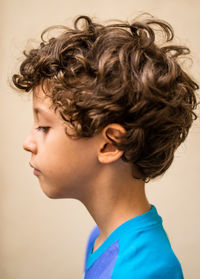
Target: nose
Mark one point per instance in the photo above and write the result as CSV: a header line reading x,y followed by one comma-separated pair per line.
x,y
29,144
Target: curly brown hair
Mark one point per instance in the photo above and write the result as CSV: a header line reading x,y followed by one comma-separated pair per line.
x,y
117,73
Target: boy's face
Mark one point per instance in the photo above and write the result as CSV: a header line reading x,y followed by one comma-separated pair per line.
x,y
65,167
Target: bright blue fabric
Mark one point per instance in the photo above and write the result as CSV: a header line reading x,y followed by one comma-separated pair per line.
x,y
137,249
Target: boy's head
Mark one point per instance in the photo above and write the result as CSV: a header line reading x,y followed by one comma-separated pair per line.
x,y
98,75
65,167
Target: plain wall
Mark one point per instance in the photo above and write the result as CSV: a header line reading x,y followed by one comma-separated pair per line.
x,y
43,238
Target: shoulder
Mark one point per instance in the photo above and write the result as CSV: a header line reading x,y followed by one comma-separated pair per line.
x,y
148,254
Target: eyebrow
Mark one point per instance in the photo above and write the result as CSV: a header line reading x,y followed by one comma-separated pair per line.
x,y
39,110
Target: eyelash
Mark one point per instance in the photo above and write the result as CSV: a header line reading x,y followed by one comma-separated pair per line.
x,y
43,128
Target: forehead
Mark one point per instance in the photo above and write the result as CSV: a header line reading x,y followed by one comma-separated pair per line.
x,y
43,106
40,96
40,99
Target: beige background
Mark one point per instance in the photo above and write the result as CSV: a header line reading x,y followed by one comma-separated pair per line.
x,y
43,238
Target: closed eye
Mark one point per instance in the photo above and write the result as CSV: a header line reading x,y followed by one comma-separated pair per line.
x,y
43,128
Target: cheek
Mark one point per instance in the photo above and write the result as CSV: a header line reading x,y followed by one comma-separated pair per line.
x,y
67,174
68,161
60,166
70,168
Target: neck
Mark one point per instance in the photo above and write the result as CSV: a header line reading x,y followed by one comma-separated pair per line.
x,y
114,200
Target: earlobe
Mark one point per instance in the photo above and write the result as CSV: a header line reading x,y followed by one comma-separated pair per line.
x,y
108,151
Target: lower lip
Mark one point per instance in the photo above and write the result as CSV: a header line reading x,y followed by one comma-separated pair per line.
x,y
36,172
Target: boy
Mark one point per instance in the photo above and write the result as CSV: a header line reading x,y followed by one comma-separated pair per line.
x,y
110,108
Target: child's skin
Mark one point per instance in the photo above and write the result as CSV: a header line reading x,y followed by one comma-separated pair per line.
x,y
87,169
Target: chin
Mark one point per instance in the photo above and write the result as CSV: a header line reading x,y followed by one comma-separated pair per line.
x,y
52,195
54,192
51,192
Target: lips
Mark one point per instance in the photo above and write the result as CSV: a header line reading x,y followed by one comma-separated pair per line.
x,y
35,171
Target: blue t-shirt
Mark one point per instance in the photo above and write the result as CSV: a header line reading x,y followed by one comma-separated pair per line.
x,y
137,249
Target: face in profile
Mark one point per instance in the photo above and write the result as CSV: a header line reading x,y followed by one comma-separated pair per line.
x,y
65,167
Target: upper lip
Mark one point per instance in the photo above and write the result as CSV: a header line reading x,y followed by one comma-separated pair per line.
x,y
32,166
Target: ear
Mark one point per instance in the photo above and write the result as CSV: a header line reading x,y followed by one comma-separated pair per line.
x,y
108,152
